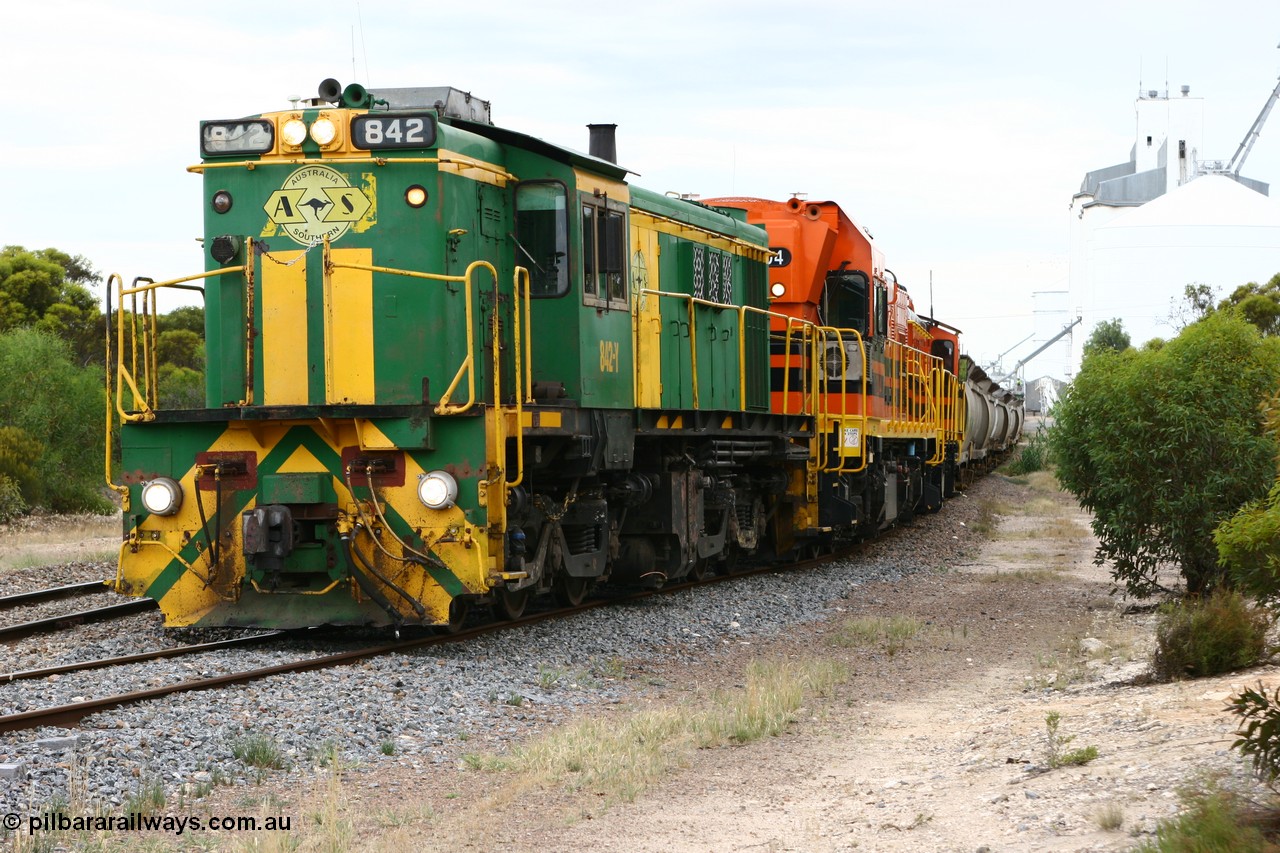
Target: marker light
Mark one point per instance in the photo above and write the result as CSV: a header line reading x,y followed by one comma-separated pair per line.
x,y
222,201
323,131
162,496
293,132
778,289
437,490
415,196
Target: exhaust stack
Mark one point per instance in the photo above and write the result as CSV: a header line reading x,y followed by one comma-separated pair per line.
x,y
603,142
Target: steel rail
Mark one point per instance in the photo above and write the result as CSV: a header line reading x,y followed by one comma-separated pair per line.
x,y
139,657
54,593
72,714
79,617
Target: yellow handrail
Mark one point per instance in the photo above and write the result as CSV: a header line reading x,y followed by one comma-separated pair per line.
x,y
122,491
741,311
825,334
522,301
146,398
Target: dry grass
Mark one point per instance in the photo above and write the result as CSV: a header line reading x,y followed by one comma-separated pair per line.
x,y
1020,576
601,762
989,514
1110,817
34,541
1051,529
892,631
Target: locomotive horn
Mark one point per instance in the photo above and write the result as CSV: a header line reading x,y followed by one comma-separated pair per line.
x,y
355,96
330,90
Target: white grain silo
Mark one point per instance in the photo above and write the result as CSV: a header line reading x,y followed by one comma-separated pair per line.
x,y
1143,230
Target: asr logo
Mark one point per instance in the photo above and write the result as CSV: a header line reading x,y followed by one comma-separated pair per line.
x,y
316,202
608,356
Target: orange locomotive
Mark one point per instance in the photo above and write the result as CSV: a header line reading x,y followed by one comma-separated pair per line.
x,y
883,384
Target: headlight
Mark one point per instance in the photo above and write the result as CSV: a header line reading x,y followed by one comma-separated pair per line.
x,y
778,289
438,490
293,132
323,131
162,496
415,196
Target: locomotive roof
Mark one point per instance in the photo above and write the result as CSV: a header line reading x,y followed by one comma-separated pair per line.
x,y
449,101
546,149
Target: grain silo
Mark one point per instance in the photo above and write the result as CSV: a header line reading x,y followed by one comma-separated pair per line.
x,y
1143,230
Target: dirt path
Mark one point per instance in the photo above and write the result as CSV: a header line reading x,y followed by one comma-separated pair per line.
x,y
943,745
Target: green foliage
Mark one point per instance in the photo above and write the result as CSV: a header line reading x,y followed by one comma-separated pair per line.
x,y
1214,820
1164,444
181,348
180,388
18,455
259,750
1034,455
1259,731
12,504
1056,753
48,290
42,393
1107,335
1199,299
189,318
1196,638
1259,304
1249,542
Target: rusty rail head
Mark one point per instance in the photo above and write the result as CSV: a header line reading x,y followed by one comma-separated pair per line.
x,y
68,591
80,617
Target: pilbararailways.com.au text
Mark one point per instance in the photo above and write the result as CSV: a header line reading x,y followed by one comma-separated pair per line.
x,y
138,822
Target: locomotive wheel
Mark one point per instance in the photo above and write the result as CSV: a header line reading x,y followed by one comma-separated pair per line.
x,y
702,570
508,605
570,591
458,610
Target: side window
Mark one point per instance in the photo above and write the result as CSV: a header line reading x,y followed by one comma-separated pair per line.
x,y
844,300
882,310
590,282
612,242
946,351
542,237
604,252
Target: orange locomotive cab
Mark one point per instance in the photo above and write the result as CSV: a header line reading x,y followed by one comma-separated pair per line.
x,y
848,348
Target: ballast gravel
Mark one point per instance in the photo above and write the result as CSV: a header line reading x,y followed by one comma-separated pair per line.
x,y
432,704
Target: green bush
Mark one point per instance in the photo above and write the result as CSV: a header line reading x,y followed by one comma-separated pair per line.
x,y
1162,445
1259,732
1213,821
19,453
1033,457
1201,637
12,504
47,397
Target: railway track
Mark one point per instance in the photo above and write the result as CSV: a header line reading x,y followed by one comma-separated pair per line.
x,y
71,714
39,596
9,633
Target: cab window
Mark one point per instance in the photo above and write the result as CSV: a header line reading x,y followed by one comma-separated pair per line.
x,y
844,300
604,253
542,237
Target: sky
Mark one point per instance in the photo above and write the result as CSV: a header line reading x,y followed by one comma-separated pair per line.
x,y
956,133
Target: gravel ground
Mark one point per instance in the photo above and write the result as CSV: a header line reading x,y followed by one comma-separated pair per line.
x,y
428,703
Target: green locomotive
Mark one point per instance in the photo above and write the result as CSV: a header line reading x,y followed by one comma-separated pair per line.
x,y
447,364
